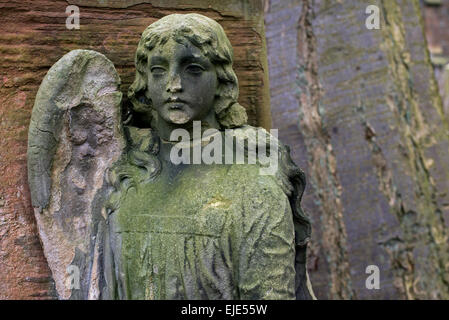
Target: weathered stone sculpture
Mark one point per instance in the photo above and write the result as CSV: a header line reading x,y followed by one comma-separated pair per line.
x,y
143,215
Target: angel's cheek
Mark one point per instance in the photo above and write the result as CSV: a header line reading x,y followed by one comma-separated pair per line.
x,y
155,94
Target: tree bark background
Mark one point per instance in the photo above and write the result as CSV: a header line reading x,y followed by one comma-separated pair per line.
x,y
361,110
33,36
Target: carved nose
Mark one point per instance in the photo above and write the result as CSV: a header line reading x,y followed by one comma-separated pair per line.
x,y
174,85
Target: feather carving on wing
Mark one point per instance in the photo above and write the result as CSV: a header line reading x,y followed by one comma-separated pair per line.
x,y
75,135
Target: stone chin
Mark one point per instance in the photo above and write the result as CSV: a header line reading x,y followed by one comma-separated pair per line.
x,y
178,116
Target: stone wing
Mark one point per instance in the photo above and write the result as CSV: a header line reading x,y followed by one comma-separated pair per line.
x,y
75,135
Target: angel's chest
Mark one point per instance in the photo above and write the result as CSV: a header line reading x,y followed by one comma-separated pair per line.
x,y
191,204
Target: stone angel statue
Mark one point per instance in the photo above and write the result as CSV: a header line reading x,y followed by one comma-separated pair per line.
x,y
120,217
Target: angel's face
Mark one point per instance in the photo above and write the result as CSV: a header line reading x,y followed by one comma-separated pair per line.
x,y
182,82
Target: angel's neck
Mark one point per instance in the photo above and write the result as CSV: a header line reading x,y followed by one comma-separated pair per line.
x,y
190,134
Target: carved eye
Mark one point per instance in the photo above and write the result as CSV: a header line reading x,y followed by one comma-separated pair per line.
x,y
157,70
194,69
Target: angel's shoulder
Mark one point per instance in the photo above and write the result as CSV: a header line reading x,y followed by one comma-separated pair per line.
x,y
246,182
